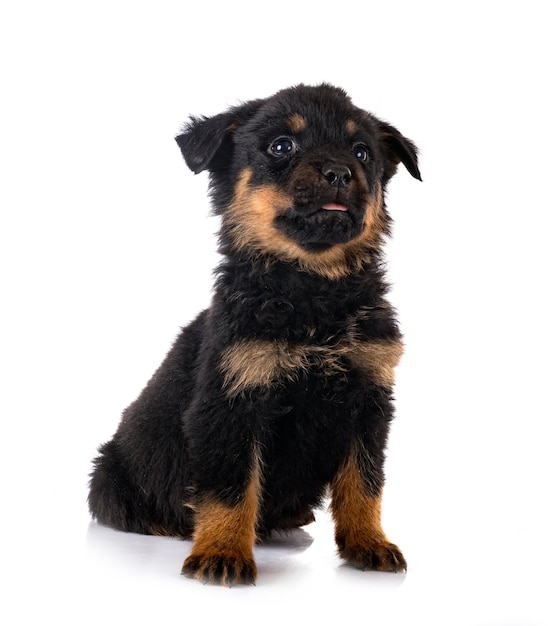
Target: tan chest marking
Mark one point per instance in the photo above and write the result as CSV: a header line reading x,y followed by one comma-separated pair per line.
x,y
378,358
254,363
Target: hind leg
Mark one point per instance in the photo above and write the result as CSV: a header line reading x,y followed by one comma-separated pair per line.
x,y
140,480
112,500
303,518
117,501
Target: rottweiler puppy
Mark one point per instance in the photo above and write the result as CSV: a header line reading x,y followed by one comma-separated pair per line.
x,y
279,395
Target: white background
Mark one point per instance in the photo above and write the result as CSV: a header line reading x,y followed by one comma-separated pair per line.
x,y
107,249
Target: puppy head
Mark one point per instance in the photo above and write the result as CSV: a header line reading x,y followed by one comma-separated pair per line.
x,y
300,177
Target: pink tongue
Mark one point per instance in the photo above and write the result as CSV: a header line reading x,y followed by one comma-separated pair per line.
x,y
333,206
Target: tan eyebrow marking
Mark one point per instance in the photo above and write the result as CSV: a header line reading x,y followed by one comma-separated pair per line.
x,y
351,127
297,123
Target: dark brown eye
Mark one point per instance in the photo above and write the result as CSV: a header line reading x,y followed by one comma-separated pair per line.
x,y
360,152
282,146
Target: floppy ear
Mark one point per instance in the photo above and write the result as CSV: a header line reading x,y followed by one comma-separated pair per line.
x,y
398,149
206,142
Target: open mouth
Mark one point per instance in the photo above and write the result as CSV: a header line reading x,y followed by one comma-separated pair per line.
x,y
334,206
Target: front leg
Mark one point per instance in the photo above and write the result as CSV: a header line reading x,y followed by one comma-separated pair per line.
x,y
224,537
356,510
226,469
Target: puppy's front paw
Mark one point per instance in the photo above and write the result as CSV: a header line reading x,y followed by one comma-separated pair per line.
x,y
379,555
224,569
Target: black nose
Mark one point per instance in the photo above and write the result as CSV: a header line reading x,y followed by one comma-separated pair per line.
x,y
337,175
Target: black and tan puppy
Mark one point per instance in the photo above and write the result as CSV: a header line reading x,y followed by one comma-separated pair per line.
x,y
280,393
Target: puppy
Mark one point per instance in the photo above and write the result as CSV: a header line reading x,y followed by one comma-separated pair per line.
x,y
279,394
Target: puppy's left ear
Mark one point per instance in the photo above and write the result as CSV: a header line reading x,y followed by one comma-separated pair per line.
x,y
398,149
206,142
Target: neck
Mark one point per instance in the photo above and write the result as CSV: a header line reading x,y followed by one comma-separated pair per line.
x,y
280,300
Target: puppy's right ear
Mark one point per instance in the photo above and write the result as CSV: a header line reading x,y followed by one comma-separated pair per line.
x,y
206,142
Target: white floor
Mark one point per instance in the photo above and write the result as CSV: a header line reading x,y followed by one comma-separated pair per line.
x,y
467,567
481,581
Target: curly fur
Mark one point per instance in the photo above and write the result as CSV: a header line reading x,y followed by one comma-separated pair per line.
x,y
282,389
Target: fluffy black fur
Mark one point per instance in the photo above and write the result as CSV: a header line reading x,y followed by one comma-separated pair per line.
x,y
281,389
